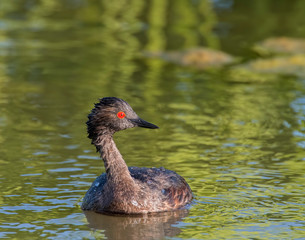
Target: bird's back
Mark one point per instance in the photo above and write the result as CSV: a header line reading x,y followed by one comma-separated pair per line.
x,y
157,188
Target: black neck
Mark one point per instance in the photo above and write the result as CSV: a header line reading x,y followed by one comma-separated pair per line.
x,y
115,166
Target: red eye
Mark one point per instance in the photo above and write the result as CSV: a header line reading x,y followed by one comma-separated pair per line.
x,y
121,115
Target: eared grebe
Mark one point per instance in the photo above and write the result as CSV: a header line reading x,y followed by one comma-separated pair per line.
x,y
126,190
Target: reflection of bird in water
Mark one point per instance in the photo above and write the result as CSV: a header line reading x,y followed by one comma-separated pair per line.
x,y
128,190
133,227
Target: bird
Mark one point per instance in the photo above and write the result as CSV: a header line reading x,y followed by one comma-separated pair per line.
x,y
122,189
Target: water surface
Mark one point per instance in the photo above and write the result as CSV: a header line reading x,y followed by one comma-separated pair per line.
x,y
240,145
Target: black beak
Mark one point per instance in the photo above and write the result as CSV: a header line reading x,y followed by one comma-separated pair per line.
x,y
142,123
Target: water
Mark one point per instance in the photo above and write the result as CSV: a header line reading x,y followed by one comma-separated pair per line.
x,y
240,145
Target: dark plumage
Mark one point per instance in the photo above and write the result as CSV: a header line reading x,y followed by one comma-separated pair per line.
x,y
126,190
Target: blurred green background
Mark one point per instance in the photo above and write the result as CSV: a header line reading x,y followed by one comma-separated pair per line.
x,y
238,138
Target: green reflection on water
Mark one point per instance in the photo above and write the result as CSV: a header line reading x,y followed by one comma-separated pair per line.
x,y
239,145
